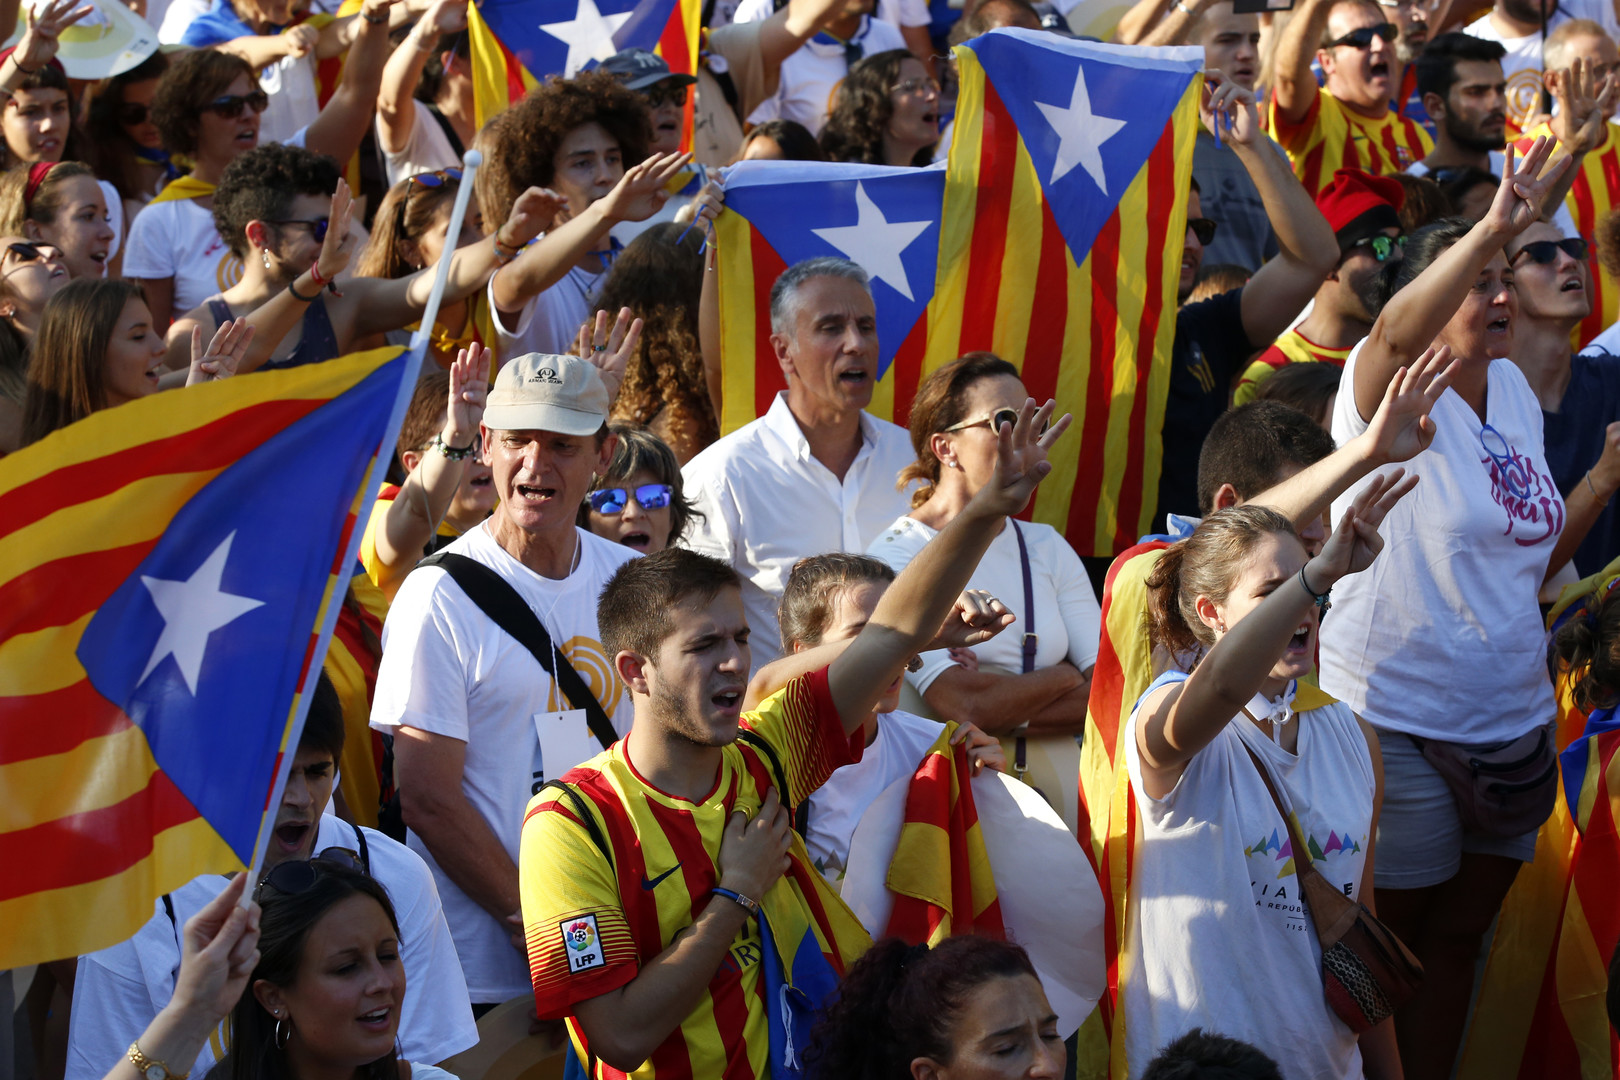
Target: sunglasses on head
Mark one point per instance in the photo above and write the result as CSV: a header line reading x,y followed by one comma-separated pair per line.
x,y
230,106
612,501
1543,252
1203,228
1363,38
317,226
1382,247
666,93
299,875
994,421
25,251
438,178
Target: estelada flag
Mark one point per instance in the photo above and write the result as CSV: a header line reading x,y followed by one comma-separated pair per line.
x,y
517,43
166,565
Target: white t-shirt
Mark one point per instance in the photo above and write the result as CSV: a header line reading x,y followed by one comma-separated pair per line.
x,y
175,17
894,12
550,321
1441,637
767,503
811,75
448,670
294,103
1218,934
426,150
177,239
837,806
1068,621
120,989
1522,64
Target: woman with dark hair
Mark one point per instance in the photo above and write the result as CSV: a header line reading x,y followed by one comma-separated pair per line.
x,y
324,1000
780,140
126,147
1030,684
62,205
425,107
638,502
1310,388
659,277
97,348
1441,646
30,274
886,113
967,1009
1238,604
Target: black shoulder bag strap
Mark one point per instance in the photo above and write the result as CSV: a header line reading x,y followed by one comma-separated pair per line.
x,y
446,127
1031,642
497,599
576,802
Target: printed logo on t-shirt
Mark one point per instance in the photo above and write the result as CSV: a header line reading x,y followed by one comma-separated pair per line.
x,y
1273,875
1535,511
589,659
1523,96
230,271
582,943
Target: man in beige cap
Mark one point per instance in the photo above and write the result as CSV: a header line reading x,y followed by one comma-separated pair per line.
x,y
478,718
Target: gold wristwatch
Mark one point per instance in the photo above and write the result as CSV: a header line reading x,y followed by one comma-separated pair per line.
x,y
151,1068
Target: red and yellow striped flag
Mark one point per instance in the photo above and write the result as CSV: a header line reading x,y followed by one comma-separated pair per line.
x,y
940,875
167,564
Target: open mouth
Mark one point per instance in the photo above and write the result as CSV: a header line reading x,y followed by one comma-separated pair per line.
x,y
640,541
98,256
1379,69
727,700
377,1017
535,493
853,376
931,118
1572,285
1301,639
1499,326
291,835
481,482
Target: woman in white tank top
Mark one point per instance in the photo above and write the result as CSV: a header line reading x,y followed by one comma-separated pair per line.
x,y
1218,937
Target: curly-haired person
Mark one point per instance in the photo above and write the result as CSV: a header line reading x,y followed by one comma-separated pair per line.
x,y
886,113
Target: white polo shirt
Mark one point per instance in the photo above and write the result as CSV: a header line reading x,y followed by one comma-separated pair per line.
x,y
811,75
767,503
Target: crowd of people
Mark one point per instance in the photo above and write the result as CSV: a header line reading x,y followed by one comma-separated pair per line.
x,y
619,688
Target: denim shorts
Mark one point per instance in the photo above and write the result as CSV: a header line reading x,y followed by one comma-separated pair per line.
x,y
1421,840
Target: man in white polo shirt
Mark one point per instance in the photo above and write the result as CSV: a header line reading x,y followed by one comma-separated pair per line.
x,y
479,718
816,473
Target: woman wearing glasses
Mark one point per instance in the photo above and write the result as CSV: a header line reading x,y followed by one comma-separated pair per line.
x,y
30,274
126,147
638,502
1439,646
886,113
1029,684
61,204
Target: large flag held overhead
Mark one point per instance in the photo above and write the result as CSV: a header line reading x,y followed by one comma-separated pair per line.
x,y
159,559
517,44
1053,239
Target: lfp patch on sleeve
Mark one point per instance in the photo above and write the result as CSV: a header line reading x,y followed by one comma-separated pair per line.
x,y
582,943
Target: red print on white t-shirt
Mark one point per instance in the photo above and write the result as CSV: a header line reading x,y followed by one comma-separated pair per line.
x,y
1535,511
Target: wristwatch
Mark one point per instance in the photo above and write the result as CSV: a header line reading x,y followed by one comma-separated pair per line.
x,y
749,905
151,1068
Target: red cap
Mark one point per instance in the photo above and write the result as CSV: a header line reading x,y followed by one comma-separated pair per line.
x,y
1352,193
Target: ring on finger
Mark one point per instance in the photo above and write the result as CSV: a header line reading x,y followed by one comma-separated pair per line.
x,y
598,348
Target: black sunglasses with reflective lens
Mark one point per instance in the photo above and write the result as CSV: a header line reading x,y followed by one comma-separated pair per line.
x,y
317,226
1203,228
230,106
1543,252
611,501
299,875
132,113
25,251
1363,38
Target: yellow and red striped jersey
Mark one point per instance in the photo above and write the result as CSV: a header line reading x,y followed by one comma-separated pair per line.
x,y
1594,193
1332,137
591,922
1292,348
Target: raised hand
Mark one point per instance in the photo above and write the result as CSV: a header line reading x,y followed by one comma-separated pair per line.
x,y
338,247
1402,429
219,948
975,618
1580,122
1355,541
532,214
1226,99
469,388
1605,472
445,17
1021,463
224,352
41,40
1522,191
610,351
640,193
708,205
300,40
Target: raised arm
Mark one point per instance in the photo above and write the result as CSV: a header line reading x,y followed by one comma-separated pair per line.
x,y
1417,313
1582,105
911,611
1295,89
1172,29
786,31
396,104
262,50
342,124
40,41
1135,25
1184,719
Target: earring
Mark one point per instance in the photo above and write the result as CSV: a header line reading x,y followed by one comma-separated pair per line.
x,y
266,253
283,1032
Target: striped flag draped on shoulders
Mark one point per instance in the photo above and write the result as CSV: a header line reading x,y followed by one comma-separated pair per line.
x,y
167,564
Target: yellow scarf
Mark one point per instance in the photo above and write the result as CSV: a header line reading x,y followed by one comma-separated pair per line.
x,y
184,187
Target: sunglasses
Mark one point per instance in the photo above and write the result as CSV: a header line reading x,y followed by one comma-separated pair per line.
x,y
1203,228
1382,247
1544,252
299,875
666,94
230,106
438,178
25,251
916,86
132,113
317,226
612,501
994,421
1363,38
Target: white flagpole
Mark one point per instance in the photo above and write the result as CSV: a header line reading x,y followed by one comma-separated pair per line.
x,y
471,160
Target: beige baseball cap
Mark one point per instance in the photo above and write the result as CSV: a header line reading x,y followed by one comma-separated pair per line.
x,y
547,392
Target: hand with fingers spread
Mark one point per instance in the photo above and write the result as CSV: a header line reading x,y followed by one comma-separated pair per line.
x,y
1402,428
610,351
641,193
1523,189
338,246
1579,121
1355,541
224,352
754,850
1021,463
976,618
42,38
1233,107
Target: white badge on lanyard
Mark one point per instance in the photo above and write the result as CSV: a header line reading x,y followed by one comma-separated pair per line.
x,y
564,740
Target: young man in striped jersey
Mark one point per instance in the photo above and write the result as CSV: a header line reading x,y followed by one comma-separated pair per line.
x,y
666,901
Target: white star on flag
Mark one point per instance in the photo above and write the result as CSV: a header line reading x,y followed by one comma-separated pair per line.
x,y
589,35
1080,133
191,610
875,242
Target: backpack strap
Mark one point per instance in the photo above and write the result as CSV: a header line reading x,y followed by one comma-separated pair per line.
x,y
497,599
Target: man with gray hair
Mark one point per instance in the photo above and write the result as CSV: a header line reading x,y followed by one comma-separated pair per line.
x,y
817,472
493,677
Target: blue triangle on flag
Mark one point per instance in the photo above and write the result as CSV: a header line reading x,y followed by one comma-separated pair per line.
x,y
1089,116
886,219
547,35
